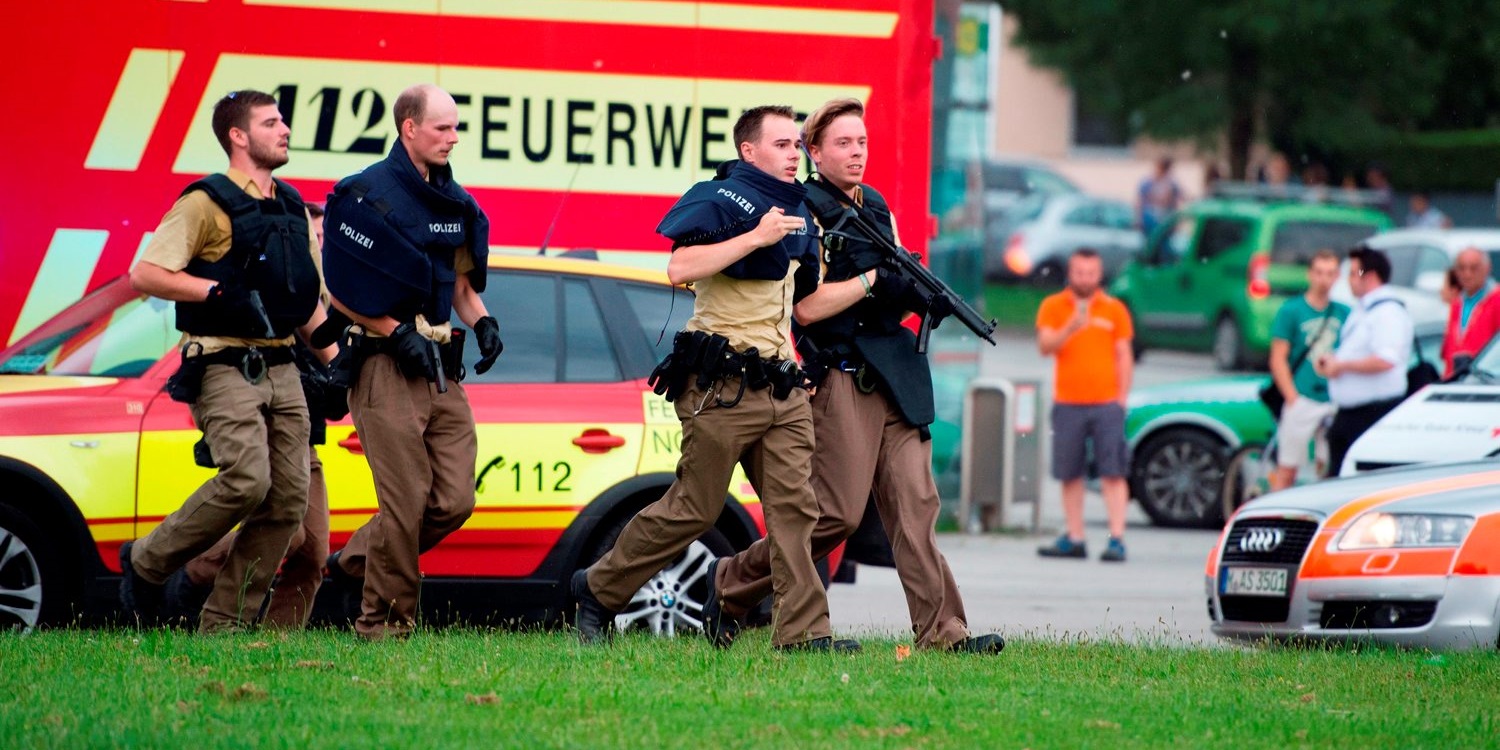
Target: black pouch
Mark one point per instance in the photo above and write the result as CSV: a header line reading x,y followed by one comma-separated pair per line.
x,y
202,456
756,376
711,363
784,378
453,355
186,384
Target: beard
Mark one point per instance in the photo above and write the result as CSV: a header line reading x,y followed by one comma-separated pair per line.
x,y
266,157
1083,291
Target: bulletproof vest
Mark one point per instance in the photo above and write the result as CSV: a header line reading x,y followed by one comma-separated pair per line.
x,y
732,204
871,315
390,240
268,254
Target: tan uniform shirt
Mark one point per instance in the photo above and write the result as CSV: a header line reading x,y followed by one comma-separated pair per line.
x,y
196,227
748,313
463,263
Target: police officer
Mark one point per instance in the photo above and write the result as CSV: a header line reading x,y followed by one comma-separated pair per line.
x,y
296,587
236,254
871,409
407,247
741,241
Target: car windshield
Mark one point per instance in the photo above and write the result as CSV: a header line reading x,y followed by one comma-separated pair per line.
x,y
113,332
1295,242
1486,367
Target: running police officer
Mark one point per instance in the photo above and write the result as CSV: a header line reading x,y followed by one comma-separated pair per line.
x,y
407,247
236,255
296,587
871,408
733,377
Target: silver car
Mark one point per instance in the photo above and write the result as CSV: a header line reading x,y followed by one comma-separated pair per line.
x,y
1032,241
1405,556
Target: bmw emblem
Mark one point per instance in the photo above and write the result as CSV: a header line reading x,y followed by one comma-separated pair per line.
x,y
668,599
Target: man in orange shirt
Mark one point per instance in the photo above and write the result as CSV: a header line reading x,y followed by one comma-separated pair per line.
x,y
1089,332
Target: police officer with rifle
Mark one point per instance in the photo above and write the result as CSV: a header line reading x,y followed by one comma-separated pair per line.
x,y
743,241
236,254
406,248
873,401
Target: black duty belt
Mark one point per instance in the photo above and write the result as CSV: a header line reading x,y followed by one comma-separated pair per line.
x,y
253,361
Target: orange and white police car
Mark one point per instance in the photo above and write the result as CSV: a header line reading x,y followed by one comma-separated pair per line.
x,y
1405,556
572,442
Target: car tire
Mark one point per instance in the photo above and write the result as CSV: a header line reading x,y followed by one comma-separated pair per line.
x,y
1229,345
1178,476
672,600
1051,274
32,586
1246,477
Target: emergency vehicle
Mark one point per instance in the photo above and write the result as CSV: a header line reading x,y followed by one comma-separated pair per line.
x,y
580,124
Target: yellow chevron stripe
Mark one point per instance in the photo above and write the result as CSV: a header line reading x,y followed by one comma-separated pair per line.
x,y
133,110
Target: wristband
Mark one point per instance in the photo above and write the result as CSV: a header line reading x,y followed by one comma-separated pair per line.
x,y
866,285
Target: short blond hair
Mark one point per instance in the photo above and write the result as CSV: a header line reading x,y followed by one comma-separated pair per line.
x,y
822,117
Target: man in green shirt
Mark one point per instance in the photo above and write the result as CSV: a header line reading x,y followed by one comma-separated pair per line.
x,y
1305,328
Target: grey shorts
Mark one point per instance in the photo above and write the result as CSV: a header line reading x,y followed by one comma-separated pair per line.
x,y
1082,431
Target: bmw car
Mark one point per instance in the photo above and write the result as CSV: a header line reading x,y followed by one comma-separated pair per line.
x,y
1408,557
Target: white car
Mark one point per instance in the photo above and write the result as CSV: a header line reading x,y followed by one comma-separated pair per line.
x,y
1420,258
1032,241
1458,421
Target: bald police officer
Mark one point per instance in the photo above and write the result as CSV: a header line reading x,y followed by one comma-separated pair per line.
x,y
407,247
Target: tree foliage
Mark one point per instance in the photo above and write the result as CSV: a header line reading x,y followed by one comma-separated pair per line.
x,y
1305,75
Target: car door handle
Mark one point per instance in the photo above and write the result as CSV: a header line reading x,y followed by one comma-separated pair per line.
x,y
595,440
352,444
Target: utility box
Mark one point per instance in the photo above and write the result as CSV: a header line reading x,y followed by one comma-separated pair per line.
x,y
1003,455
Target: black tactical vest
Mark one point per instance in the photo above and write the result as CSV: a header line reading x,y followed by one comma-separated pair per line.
x,y
870,316
268,254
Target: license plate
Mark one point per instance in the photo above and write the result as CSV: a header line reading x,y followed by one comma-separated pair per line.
x,y
1254,581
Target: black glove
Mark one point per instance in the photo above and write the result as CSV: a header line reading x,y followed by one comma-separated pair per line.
x,y
894,288
413,353
938,308
231,300
487,330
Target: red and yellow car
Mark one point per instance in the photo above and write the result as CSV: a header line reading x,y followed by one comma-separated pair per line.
x,y
572,442
1407,556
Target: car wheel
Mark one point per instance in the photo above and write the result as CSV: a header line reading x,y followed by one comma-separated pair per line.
x,y
1247,476
672,600
1051,274
1229,346
1178,476
31,581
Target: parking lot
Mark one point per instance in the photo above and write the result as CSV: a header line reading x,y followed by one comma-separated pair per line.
x,y
1155,597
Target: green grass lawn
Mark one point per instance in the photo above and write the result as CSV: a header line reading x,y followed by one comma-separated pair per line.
x,y
1014,305
481,688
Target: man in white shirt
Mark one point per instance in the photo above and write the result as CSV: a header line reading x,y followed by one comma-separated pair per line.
x,y
1367,372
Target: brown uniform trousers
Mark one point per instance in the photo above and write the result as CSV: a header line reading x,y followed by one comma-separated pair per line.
x,y
775,437
863,443
258,435
302,571
421,447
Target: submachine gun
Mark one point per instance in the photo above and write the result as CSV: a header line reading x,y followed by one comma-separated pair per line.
x,y
909,264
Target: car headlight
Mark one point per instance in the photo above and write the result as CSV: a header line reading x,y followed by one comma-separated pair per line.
x,y
1387,530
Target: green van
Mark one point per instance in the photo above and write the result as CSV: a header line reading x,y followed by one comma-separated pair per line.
x,y
1212,276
